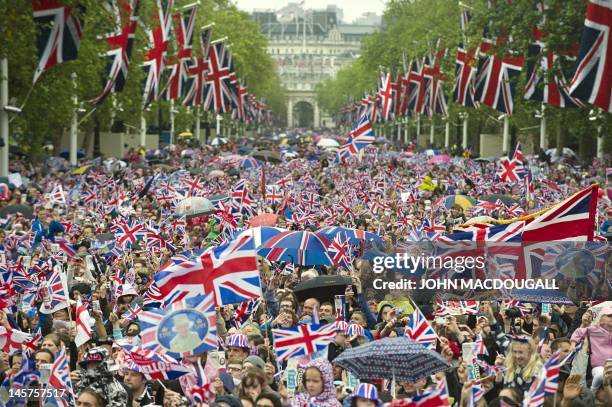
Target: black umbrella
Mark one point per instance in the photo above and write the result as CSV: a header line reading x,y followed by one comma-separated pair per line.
x,y
25,210
323,287
507,200
266,155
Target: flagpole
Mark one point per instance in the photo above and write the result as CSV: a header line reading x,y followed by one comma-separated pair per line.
x,y
172,121
4,119
74,124
506,136
197,123
464,141
543,140
447,133
431,132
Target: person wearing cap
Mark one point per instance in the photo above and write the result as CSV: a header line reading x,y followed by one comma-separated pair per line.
x,y
365,395
95,374
600,342
237,347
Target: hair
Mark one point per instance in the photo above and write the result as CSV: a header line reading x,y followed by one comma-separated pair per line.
x,y
252,377
327,303
530,369
235,361
99,399
55,338
554,345
289,296
47,351
318,371
257,339
273,397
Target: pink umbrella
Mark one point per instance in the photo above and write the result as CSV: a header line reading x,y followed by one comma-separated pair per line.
x,y
439,159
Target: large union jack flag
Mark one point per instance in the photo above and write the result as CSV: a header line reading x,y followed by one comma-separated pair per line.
x,y
464,78
386,96
155,57
121,43
196,71
302,340
59,33
217,79
592,80
184,23
229,271
496,80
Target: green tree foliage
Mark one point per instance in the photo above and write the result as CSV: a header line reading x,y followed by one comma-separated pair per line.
x,y
47,106
411,29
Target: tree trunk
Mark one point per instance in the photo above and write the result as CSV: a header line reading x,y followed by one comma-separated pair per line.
x,y
96,140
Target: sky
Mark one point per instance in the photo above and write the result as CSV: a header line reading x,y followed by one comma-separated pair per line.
x,y
351,8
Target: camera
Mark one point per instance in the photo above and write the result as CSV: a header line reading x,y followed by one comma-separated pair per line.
x,y
512,313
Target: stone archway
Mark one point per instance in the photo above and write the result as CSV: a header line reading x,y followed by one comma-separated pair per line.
x,y
303,114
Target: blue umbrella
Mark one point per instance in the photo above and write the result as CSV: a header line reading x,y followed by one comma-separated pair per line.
x,y
65,154
541,296
355,236
298,247
400,358
260,234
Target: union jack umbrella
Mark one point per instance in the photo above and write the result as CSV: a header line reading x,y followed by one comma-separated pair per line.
x,y
302,340
59,32
298,247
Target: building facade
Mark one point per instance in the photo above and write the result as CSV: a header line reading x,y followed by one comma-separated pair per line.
x,y
309,46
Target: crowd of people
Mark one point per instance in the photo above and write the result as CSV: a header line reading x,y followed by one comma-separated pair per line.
x,y
63,221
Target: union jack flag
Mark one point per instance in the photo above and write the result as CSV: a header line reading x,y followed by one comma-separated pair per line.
x,y
155,57
121,43
217,79
197,386
185,23
592,80
59,379
361,136
196,71
229,271
496,77
536,394
153,365
418,329
302,340
386,96
128,232
552,367
58,292
340,251
244,312
132,312
59,32
476,393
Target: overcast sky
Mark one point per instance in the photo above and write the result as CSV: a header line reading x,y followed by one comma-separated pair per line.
x,y
351,8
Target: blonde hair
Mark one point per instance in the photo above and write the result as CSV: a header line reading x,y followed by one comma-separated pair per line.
x,y
532,367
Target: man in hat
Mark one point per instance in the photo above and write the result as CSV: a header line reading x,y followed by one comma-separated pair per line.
x,y
237,347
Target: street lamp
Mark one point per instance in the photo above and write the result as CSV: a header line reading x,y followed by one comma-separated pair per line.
x,y
597,116
464,117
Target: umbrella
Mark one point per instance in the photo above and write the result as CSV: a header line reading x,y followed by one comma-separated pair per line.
x,y
65,154
541,296
217,198
506,200
185,134
218,141
322,287
81,170
400,358
216,173
249,162
382,140
463,201
355,236
566,152
266,155
268,219
327,142
260,234
298,247
25,210
194,206
439,159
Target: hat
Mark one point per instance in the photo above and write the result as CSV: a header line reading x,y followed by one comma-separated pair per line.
x,y
341,326
365,391
355,330
237,341
606,311
256,361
